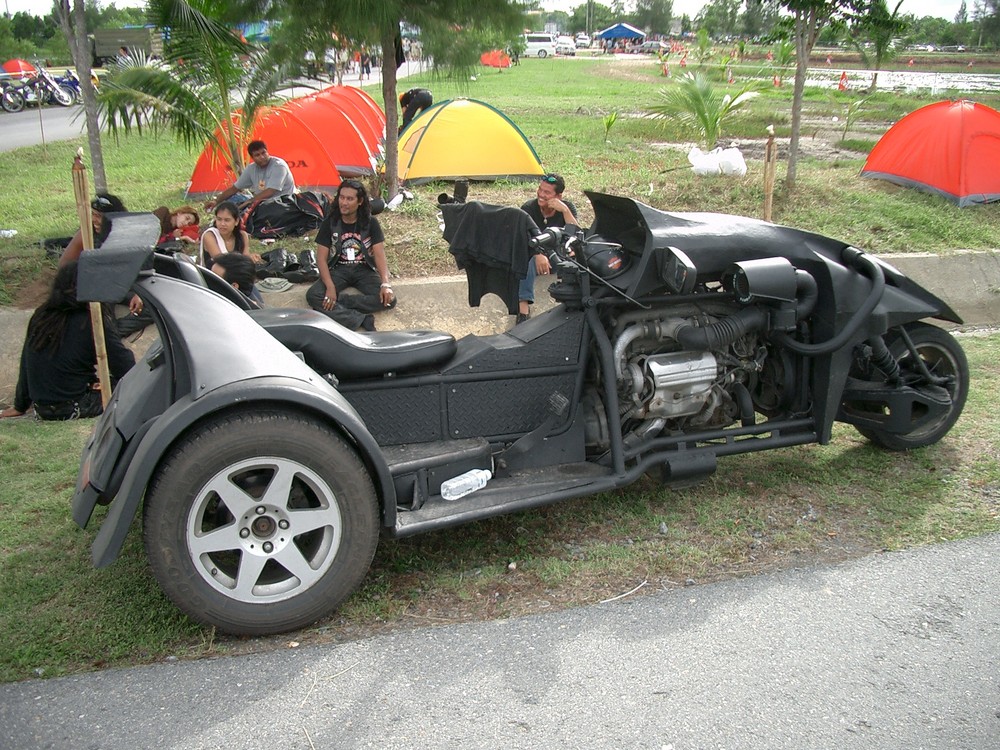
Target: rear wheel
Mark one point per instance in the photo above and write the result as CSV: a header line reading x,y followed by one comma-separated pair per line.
x,y
261,523
542,53
944,359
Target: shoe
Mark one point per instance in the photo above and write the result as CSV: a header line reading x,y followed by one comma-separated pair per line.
x,y
521,317
368,324
276,259
302,269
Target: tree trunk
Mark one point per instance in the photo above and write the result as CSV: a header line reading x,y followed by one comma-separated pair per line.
x,y
807,27
74,26
391,110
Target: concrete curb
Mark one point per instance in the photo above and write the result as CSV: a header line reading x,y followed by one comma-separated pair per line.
x,y
968,281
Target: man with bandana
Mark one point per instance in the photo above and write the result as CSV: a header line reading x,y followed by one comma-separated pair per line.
x,y
350,252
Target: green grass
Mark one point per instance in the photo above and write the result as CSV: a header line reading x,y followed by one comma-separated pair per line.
x,y
758,512
560,105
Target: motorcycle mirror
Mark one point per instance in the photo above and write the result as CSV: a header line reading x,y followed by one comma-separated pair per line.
x,y
679,273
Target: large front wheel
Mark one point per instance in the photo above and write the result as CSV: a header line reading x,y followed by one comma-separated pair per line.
x,y
938,354
261,523
63,95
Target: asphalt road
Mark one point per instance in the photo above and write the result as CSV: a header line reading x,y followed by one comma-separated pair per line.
x,y
897,650
25,128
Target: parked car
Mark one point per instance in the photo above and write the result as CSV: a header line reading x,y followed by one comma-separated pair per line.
x,y
582,41
565,45
654,48
539,44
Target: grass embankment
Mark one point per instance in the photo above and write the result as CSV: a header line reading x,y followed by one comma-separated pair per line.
x,y
759,512
559,104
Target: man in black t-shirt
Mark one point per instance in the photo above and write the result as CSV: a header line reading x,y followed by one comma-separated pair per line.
x,y
350,252
547,210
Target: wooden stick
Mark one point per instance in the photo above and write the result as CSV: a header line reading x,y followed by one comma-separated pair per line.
x,y
83,212
770,166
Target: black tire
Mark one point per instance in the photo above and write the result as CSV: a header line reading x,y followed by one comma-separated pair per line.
x,y
320,520
944,358
542,54
12,101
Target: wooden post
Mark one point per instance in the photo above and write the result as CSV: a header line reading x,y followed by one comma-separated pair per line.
x,y
83,211
770,166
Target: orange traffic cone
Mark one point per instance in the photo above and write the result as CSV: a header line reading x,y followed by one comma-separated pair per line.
x,y
843,81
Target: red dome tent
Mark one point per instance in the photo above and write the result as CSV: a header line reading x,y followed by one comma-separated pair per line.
x,y
321,136
361,110
495,59
951,149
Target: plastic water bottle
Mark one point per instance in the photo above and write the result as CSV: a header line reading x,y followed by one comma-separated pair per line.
x,y
463,484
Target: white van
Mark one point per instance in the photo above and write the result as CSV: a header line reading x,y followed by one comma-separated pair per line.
x,y
539,44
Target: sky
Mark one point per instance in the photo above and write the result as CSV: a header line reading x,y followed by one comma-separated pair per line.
x,y
920,8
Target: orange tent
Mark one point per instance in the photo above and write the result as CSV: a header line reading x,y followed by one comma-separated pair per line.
x,y
951,149
495,59
321,136
360,108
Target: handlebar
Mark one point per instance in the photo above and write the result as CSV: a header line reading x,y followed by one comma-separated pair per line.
x,y
558,245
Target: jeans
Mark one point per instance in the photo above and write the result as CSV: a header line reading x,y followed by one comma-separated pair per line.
x,y
526,289
350,309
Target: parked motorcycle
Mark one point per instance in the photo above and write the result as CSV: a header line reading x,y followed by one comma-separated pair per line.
x,y
40,88
70,80
269,449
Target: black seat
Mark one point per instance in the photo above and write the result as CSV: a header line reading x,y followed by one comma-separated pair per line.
x,y
329,347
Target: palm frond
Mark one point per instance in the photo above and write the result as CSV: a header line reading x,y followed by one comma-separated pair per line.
x,y
697,104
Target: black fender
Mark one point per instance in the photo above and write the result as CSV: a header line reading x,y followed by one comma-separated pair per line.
x,y
267,392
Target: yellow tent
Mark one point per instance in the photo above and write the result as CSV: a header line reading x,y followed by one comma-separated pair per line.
x,y
464,139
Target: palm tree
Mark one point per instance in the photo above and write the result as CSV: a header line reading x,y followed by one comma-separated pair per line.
x,y
695,102
875,36
210,80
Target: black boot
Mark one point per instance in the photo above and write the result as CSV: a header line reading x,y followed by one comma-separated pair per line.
x,y
305,270
307,265
277,259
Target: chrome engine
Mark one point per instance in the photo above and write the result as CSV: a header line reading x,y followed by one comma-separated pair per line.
x,y
663,385
679,384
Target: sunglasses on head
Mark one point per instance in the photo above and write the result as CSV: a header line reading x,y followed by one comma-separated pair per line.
x,y
551,179
100,203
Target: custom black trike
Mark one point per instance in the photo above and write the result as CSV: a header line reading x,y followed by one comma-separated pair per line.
x,y
269,450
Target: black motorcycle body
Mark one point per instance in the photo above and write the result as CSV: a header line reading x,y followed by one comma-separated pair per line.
x,y
268,449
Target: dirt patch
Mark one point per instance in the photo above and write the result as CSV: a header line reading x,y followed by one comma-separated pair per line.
x,y
33,293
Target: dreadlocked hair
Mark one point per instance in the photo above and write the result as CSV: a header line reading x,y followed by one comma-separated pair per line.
x,y
48,323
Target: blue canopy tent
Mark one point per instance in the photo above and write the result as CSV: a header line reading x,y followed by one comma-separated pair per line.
x,y
620,31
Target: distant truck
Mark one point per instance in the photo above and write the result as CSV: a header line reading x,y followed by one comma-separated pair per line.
x,y
107,44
